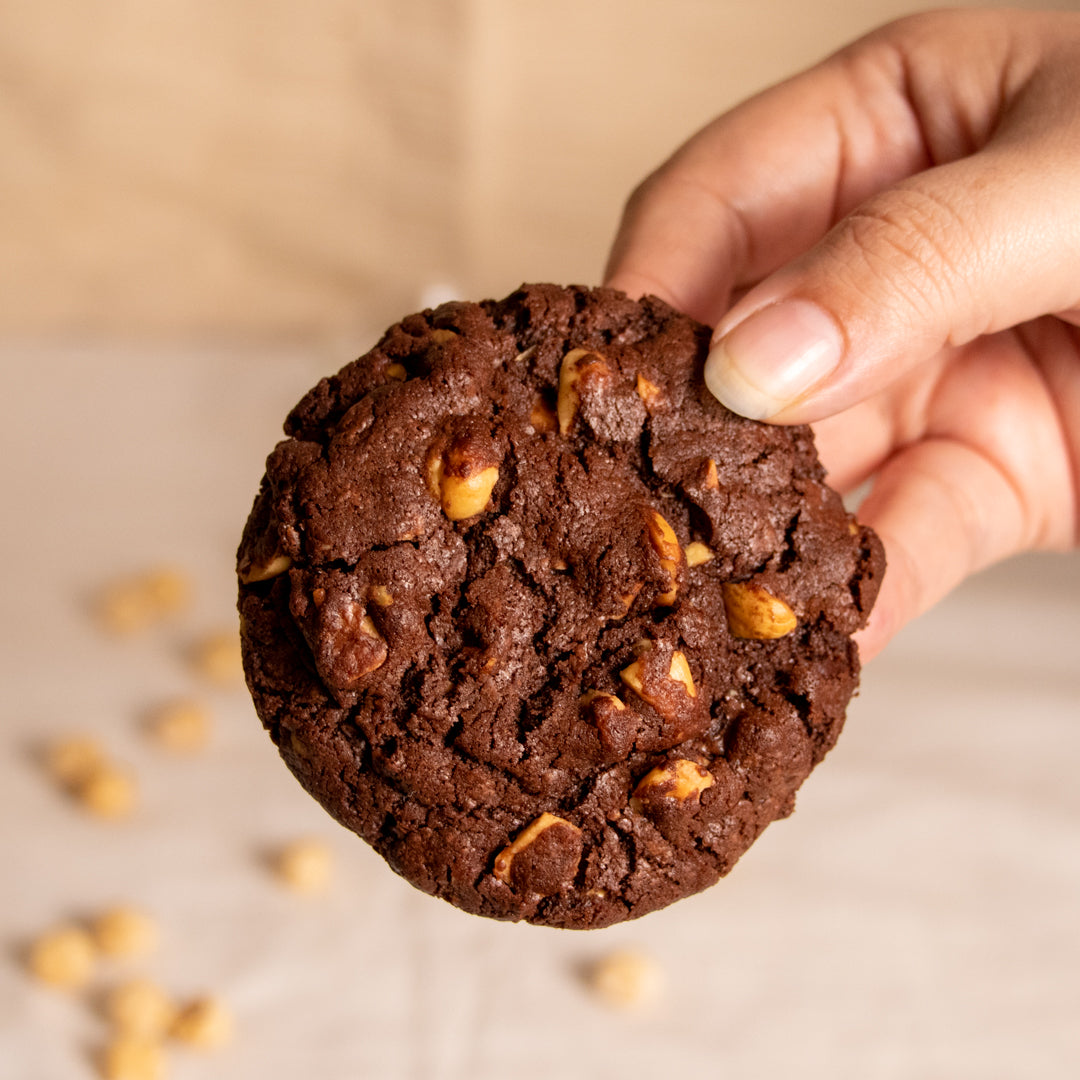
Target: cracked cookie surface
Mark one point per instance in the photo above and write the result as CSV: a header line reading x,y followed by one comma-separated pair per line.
x,y
533,614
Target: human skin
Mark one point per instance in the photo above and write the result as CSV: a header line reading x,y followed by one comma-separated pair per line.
x,y
889,247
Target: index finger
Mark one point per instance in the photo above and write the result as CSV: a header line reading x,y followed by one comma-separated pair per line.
x,y
764,182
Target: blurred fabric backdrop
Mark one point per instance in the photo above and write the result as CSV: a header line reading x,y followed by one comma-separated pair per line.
x,y
205,205
180,167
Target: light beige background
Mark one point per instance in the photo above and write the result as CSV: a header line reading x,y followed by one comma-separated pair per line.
x,y
206,206
178,166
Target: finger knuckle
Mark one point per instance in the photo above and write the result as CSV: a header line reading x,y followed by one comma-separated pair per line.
x,y
644,194
916,241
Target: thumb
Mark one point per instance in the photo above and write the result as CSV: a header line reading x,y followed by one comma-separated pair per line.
x,y
961,250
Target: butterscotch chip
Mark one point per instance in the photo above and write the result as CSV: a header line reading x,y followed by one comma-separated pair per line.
x,y
217,658
535,510
69,760
626,979
205,1024
131,1057
140,1008
304,866
182,727
124,932
63,957
107,792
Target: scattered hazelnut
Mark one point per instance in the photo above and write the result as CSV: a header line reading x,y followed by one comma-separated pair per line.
x,y
140,1008
107,792
204,1023
753,612
304,866
123,609
266,569
442,336
698,553
63,957
679,779
133,603
124,931
182,727
625,979
396,371
69,760
132,1058
217,658
666,545
577,365
543,883
167,589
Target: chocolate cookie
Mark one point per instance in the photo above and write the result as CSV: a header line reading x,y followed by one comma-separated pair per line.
x,y
538,618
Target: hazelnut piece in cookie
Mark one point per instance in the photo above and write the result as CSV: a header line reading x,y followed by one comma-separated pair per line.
x,y
543,858
755,613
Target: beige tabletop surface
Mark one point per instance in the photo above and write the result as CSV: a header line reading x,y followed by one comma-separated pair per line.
x,y
915,918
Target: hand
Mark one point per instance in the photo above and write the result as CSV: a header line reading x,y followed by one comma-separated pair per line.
x,y
899,228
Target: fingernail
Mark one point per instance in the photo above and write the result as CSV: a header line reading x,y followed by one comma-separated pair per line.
x,y
773,357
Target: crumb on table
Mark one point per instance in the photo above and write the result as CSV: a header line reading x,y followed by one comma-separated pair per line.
x,y
124,931
217,658
63,957
304,865
139,1007
203,1023
130,1057
69,759
133,603
181,726
107,792
625,979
